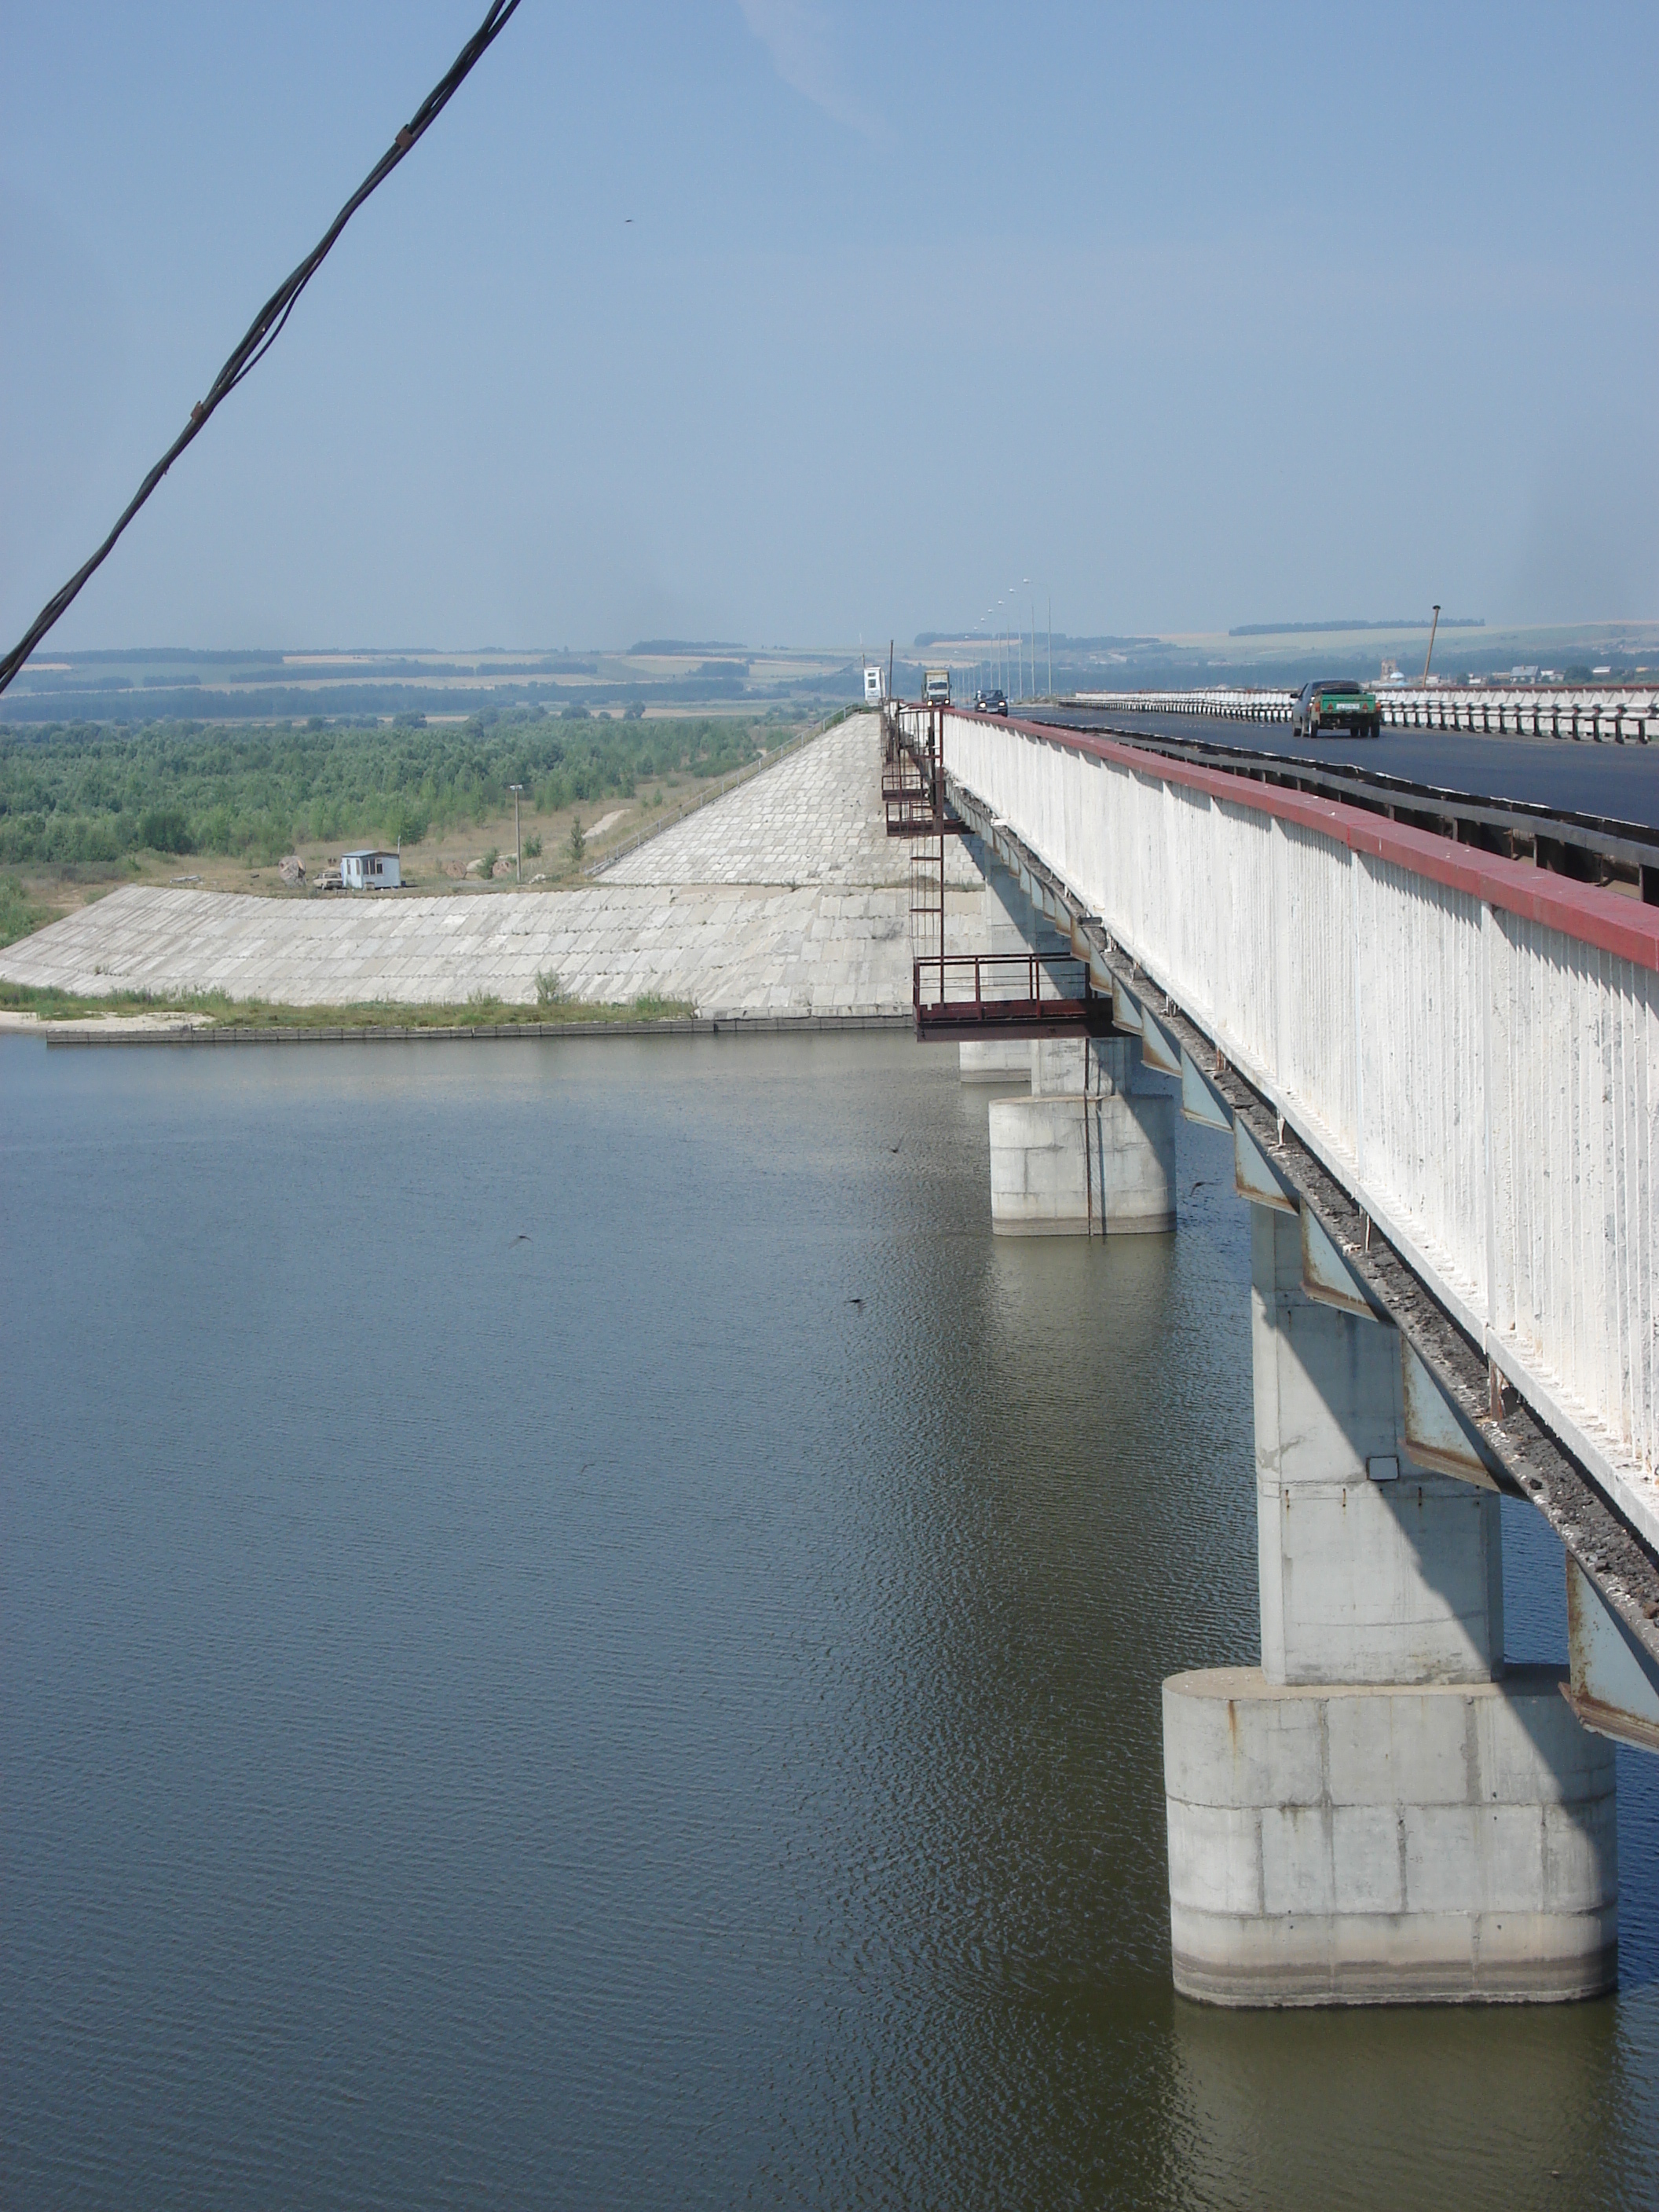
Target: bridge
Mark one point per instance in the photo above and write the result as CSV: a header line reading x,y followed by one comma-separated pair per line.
x,y
1430,1032
1593,714
1423,1020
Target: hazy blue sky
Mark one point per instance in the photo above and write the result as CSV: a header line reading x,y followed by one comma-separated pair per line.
x,y
916,302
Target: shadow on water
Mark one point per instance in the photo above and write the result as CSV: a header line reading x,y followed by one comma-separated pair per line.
x,y
576,1631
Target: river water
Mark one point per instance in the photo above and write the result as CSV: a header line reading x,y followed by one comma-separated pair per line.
x,y
576,1632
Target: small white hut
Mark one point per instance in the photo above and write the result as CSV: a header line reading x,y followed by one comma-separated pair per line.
x,y
370,871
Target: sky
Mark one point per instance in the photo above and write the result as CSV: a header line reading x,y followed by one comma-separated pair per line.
x,y
791,321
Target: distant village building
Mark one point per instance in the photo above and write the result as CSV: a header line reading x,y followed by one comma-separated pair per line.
x,y
370,871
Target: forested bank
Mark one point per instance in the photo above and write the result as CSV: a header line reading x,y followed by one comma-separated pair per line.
x,y
79,792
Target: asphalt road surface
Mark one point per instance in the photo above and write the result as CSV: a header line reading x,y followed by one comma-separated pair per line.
x,y
1619,782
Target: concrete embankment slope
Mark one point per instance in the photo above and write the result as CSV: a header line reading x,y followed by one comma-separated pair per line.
x,y
786,896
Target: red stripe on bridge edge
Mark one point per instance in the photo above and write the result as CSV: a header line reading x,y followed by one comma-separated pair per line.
x,y
1585,912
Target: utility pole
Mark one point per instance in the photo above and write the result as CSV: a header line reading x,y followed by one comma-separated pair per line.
x,y
1429,655
1051,644
518,846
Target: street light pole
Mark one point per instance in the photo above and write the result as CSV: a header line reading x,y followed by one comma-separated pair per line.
x,y
518,846
1429,655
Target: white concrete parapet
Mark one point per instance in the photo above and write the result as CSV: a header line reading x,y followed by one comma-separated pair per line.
x,y
1471,1048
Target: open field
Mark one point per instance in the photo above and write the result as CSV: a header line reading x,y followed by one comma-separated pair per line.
x,y
84,810
653,677
1256,654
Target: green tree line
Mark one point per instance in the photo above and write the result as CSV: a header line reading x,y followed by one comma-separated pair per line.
x,y
81,792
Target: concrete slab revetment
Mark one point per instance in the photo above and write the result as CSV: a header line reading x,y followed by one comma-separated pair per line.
x,y
785,896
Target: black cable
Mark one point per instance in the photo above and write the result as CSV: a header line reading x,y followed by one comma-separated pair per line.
x,y
267,326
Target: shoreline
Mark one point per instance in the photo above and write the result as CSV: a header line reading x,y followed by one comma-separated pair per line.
x,y
187,1032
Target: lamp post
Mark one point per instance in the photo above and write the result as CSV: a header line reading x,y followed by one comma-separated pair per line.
x,y
518,848
1429,655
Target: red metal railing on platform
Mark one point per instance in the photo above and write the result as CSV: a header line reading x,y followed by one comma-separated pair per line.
x,y
1007,995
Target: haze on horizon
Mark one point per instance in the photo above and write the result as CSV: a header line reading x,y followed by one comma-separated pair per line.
x,y
780,319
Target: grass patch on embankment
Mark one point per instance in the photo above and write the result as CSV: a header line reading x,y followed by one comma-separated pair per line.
x,y
218,1010
20,915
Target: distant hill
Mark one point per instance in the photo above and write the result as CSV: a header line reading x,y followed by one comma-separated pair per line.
x,y
1315,629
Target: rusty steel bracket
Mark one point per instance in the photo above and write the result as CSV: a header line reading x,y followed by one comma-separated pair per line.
x,y
1611,1684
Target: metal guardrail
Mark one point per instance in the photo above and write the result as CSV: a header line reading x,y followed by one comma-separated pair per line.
x,y
1226,703
1623,716
1595,714
977,995
707,798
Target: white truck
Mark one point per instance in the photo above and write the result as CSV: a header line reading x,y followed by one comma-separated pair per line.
x,y
936,687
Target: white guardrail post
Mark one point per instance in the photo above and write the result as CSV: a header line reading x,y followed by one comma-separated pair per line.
x,y
1599,715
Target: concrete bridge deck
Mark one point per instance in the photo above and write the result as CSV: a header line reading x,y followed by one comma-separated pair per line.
x,y
1607,780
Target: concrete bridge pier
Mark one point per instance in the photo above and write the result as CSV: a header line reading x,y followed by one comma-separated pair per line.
x,y
1378,1813
1005,1060
1012,924
1090,1152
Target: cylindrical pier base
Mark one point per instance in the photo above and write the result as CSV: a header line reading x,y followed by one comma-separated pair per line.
x,y
1065,1165
1091,1151
1435,1844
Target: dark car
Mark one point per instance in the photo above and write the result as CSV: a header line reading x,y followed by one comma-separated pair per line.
x,y
1335,706
992,703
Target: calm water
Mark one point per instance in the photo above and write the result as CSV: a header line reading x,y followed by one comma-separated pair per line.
x,y
519,1689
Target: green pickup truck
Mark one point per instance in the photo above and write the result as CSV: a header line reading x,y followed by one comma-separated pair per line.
x,y
1324,710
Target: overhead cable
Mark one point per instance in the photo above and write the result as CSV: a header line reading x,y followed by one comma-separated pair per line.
x,y
267,326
